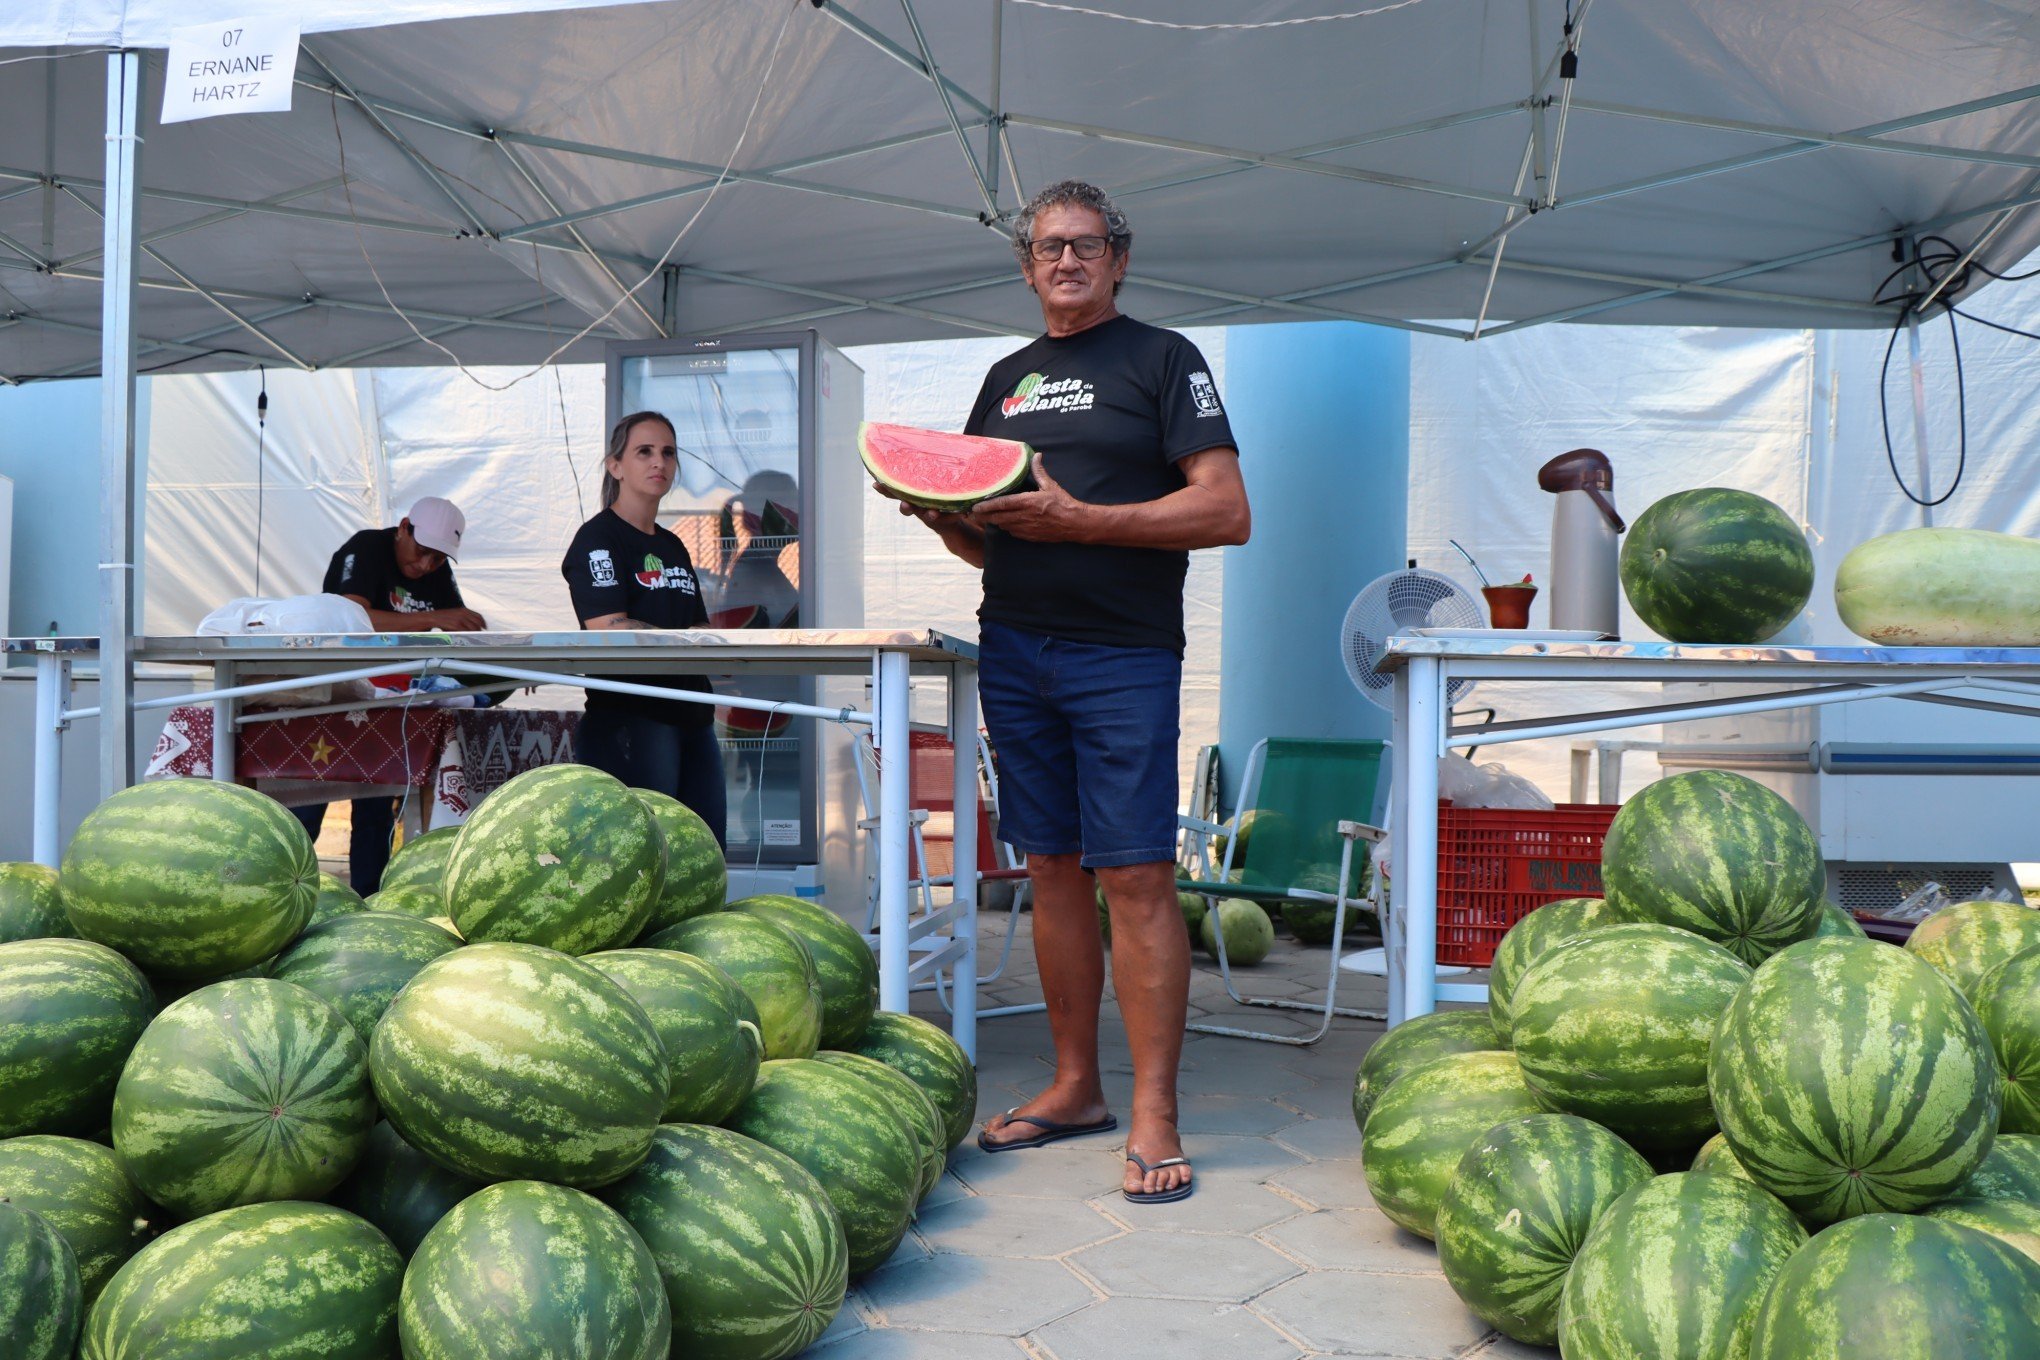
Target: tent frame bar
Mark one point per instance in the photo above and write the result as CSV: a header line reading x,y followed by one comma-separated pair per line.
x,y
935,78
117,424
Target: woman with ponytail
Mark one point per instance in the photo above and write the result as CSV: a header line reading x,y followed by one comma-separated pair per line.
x,y
624,570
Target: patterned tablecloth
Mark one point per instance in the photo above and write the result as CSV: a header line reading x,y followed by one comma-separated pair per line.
x,y
460,754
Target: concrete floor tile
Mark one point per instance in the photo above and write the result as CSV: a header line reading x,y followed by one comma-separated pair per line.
x,y
975,1294
947,1191
1499,1347
1075,1170
849,1322
1007,1225
1330,1139
889,1343
1175,1265
1238,1158
1123,1328
1411,1316
1228,1071
1222,1204
1328,1185
1354,1239
1331,1098
1245,1115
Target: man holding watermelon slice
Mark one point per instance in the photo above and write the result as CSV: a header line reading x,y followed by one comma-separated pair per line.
x,y
1081,657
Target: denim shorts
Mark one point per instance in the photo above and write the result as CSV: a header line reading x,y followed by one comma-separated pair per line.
x,y
1084,738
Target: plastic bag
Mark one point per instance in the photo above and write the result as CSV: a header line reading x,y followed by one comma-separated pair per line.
x,y
1931,897
292,614
1465,784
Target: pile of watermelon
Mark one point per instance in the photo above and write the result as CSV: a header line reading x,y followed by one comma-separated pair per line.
x,y
545,1093
1707,1118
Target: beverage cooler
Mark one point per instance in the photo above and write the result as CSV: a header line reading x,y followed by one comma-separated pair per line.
x,y
769,499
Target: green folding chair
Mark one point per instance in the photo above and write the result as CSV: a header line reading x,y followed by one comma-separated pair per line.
x,y
1308,800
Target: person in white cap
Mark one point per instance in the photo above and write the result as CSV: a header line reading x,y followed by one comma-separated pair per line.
x,y
403,575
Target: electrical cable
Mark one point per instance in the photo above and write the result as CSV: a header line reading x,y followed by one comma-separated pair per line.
x,y
1210,28
261,444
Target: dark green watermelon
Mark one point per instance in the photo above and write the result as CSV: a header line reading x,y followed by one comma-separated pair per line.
x,y
770,964
40,1308
712,1043
70,1011
1415,1042
934,1060
401,1190
31,906
697,876
80,1190
359,962
1716,565
844,964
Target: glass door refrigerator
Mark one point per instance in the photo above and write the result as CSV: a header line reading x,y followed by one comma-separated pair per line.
x,y
769,499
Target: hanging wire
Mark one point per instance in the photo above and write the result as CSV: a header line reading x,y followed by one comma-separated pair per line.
x,y
1925,264
1144,22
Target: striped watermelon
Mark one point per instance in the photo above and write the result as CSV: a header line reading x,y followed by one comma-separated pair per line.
x,y
909,1101
1851,1078
190,878
1249,934
1969,939
935,1061
31,907
40,1308
1516,1211
1717,1156
359,963
335,898
2011,1170
770,964
1415,1042
2012,1222
70,1011
750,1248
1615,1028
420,862
80,1190
1676,1269
1716,853
528,1271
844,964
1422,1125
712,1046
223,1284
407,899
849,1137
1548,927
561,856
1901,1286
697,877
243,1091
1835,921
2008,1004
401,1190
1716,565
508,1061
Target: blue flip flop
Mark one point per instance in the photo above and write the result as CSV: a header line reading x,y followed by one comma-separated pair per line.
x,y
1051,1132
1158,1196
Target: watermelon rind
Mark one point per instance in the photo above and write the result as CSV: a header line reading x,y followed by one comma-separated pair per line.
x,y
528,1271
1676,1267
335,898
2011,1170
243,1091
770,964
420,862
314,1274
2008,1004
1716,565
1414,1042
1549,927
712,1046
40,1300
1940,587
848,1135
1615,1027
1002,465
563,856
697,876
358,963
409,899
1517,1210
845,966
31,905
1835,921
513,1062
1422,1125
910,1102
80,1190
1851,1078
1901,1285
1968,939
2012,1222
190,878
935,1061
1716,853
751,1251
401,1190
70,1011
1717,1156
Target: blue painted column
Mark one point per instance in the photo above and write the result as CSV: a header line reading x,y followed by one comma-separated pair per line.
x,y
1322,413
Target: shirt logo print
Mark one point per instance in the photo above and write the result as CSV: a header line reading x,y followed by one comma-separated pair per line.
x,y
1204,395
1037,393
601,567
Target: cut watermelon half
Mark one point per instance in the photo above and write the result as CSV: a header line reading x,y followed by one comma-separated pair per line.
x,y
942,471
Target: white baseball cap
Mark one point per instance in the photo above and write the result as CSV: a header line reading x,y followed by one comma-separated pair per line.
x,y
437,524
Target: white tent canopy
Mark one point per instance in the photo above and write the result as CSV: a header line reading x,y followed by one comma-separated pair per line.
x,y
507,174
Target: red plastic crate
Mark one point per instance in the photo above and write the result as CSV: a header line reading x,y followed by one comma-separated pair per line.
x,y
1497,865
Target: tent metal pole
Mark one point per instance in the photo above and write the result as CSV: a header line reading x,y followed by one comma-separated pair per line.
x,y
403,145
901,55
977,172
1700,289
452,324
602,265
875,304
1948,276
823,313
238,205
1922,467
24,252
117,425
211,219
1858,140
1303,308
191,343
997,121
1321,290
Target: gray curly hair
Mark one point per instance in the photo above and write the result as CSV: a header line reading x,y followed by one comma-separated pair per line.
x,y
1073,193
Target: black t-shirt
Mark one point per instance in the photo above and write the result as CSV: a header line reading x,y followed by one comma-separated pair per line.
x,y
366,565
613,567
1111,410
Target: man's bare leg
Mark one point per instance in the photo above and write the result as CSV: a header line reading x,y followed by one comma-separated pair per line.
x,y
1151,974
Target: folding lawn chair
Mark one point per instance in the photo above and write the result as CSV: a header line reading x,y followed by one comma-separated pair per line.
x,y
1307,798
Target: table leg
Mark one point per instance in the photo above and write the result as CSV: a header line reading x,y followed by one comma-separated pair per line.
x,y
225,737
52,697
893,741
963,724
1394,936
1419,870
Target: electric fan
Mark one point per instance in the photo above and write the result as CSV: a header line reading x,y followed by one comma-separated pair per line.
x,y
1399,603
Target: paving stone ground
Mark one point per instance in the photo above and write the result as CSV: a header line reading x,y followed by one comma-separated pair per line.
x,y
1279,1254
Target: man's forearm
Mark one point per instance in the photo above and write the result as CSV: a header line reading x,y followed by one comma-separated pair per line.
x,y
965,540
1195,517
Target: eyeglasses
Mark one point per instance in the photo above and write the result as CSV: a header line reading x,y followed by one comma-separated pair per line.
x,y
1050,248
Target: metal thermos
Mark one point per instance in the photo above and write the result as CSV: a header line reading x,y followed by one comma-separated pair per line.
x,y
1585,592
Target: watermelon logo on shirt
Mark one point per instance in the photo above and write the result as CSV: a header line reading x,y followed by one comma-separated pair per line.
x,y
403,601
654,574
1037,393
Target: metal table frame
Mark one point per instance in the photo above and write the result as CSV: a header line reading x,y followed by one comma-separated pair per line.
x,y
1424,668
908,949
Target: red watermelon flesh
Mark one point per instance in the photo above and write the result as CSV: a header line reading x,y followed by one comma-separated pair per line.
x,y
942,471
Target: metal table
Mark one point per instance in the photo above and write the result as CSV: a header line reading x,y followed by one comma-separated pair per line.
x,y
908,949
1424,669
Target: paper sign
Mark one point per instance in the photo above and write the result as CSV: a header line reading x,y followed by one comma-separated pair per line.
x,y
232,66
